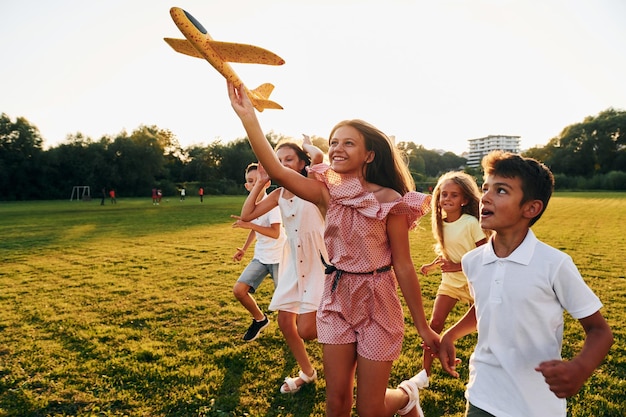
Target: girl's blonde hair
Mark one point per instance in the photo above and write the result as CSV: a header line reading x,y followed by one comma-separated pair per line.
x,y
388,168
470,190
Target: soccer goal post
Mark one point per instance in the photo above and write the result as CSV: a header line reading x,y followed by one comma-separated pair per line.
x,y
81,192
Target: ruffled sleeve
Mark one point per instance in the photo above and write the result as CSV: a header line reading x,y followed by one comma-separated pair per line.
x,y
413,204
347,191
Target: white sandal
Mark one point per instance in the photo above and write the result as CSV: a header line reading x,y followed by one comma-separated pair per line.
x,y
290,386
412,388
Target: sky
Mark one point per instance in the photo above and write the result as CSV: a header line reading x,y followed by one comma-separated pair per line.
x,y
436,73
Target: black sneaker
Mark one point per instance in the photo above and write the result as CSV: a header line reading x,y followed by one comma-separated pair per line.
x,y
255,329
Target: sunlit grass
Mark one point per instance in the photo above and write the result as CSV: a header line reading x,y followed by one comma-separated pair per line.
x,y
128,310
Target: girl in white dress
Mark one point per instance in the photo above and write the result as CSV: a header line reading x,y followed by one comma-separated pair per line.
x,y
301,272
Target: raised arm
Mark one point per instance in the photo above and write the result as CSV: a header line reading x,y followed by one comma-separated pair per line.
x,y
272,230
252,207
316,154
306,188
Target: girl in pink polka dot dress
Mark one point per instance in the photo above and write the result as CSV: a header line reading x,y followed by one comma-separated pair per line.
x,y
366,196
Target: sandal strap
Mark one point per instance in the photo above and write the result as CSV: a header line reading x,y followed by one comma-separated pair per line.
x,y
291,383
411,389
308,379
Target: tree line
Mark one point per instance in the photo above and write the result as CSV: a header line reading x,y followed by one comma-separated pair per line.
x,y
586,155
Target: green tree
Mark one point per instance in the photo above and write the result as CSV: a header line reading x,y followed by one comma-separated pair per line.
x,y
597,145
77,161
20,159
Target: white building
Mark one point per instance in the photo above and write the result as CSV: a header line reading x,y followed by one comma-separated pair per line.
x,y
482,146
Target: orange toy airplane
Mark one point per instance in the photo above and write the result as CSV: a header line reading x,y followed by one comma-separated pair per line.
x,y
199,44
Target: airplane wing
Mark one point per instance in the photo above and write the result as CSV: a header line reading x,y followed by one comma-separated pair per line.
x,y
229,52
259,97
246,54
183,46
264,90
266,104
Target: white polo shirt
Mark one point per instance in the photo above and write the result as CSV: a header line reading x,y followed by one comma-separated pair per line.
x,y
520,302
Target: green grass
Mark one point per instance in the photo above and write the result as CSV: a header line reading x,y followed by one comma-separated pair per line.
x,y
127,310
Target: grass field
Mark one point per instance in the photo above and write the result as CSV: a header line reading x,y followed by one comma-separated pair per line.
x,y
127,310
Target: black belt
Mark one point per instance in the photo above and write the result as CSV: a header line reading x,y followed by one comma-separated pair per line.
x,y
329,269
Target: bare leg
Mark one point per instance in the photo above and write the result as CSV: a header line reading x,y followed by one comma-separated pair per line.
x,y
241,293
287,324
339,371
307,325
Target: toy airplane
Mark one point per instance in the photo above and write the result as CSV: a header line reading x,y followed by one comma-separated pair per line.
x,y
199,44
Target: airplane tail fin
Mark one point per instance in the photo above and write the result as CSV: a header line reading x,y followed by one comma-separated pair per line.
x,y
260,98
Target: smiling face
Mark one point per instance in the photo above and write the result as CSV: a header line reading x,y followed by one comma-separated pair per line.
x,y
346,151
452,199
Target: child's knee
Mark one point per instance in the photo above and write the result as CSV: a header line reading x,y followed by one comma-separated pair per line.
x,y
337,405
241,290
307,332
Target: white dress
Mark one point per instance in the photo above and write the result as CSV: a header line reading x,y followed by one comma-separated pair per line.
x,y
301,272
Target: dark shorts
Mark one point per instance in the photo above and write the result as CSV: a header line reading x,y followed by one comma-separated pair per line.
x,y
473,411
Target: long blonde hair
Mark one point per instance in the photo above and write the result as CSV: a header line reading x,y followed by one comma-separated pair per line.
x,y
470,190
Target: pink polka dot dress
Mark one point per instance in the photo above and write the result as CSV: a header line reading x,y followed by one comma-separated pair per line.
x,y
360,301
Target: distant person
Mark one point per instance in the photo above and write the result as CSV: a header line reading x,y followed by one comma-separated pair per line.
x,y
270,238
159,196
104,195
455,226
521,287
155,197
182,194
201,193
112,195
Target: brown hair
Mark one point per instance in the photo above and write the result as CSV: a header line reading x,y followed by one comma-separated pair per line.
x,y
300,153
537,179
388,168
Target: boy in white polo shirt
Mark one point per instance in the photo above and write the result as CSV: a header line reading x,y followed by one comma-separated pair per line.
x,y
521,287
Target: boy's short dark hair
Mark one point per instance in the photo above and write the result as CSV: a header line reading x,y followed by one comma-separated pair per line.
x,y
537,179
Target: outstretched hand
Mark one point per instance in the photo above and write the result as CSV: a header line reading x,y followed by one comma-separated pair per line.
x,y
262,175
240,223
239,100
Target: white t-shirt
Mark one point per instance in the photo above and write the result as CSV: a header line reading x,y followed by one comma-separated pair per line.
x,y
268,250
520,302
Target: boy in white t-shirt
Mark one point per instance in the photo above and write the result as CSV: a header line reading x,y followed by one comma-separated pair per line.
x,y
270,239
521,286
